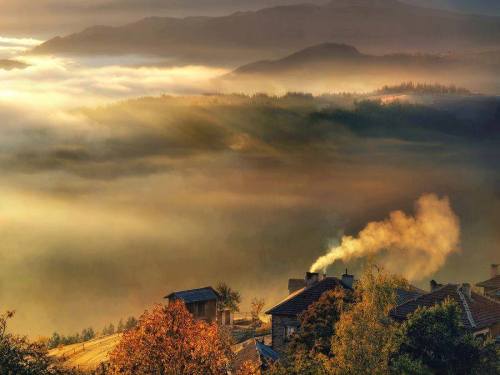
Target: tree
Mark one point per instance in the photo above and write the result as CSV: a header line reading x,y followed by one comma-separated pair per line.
x,y
108,330
19,356
317,323
434,340
130,323
54,341
365,335
256,307
168,340
229,298
121,327
87,334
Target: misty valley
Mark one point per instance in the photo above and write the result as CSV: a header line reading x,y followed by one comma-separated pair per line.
x,y
249,187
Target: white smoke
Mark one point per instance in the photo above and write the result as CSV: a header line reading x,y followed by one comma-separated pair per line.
x,y
412,246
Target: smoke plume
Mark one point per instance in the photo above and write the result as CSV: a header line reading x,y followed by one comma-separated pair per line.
x,y
413,246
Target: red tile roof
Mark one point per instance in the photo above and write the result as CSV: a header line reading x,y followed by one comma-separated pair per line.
x,y
477,311
493,283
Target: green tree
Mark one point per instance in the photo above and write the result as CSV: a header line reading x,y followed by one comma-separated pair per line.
x,y
433,339
130,323
365,335
229,298
19,356
317,323
87,334
121,327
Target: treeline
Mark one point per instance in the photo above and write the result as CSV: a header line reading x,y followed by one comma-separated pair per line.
x,y
423,88
110,329
89,333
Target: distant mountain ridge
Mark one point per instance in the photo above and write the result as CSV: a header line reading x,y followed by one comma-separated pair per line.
x,y
330,66
381,25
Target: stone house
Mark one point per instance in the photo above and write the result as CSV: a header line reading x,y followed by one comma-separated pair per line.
x,y
480,314
203,304
302,293
491,287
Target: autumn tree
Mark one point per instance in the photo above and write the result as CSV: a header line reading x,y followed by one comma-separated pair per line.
x,y
365,335
229,298
256,308
167,340
433,340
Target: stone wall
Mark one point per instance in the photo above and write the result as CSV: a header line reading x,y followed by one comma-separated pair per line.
x,y
279,324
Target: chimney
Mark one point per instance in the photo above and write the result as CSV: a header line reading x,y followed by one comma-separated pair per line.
x,y
494,270
347,280
311,278
435,285
466,289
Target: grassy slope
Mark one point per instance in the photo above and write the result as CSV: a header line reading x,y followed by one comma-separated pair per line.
x,y
88,355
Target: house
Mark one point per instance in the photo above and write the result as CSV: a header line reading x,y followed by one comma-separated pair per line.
x,y
303,293
480,314
204,304
491,287
255,353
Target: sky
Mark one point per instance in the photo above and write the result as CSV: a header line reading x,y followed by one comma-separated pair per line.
x,y
111,199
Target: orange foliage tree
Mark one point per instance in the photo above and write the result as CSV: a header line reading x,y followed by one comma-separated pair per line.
x,y
167,340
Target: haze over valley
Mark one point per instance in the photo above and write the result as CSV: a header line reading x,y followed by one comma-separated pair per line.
x,y
152,146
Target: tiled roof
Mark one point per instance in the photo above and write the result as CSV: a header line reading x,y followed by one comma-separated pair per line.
x,y
255,352
405,295
246,352
493,283
477,311
267,354
195,295
300,300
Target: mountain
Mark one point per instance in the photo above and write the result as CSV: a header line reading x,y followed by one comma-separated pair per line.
x,y
488,7
374,25
12,64
339,67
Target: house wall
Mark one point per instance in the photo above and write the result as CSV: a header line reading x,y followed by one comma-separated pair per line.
x,y
210,310
279,324
491,292
495,330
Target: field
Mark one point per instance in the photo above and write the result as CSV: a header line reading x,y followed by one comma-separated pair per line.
x,y
88,355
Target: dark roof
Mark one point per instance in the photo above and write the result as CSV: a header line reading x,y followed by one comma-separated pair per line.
x,y
493,283
246,352
195,295
405,295
267,354
477,311
300,300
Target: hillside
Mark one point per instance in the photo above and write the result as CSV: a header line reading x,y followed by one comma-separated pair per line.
x,y
381,25
340,67
88,355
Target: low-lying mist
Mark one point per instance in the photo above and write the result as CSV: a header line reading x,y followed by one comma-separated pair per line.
x,y
106,209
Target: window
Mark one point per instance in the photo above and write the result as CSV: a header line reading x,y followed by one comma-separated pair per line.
x,y
201,309
290,331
